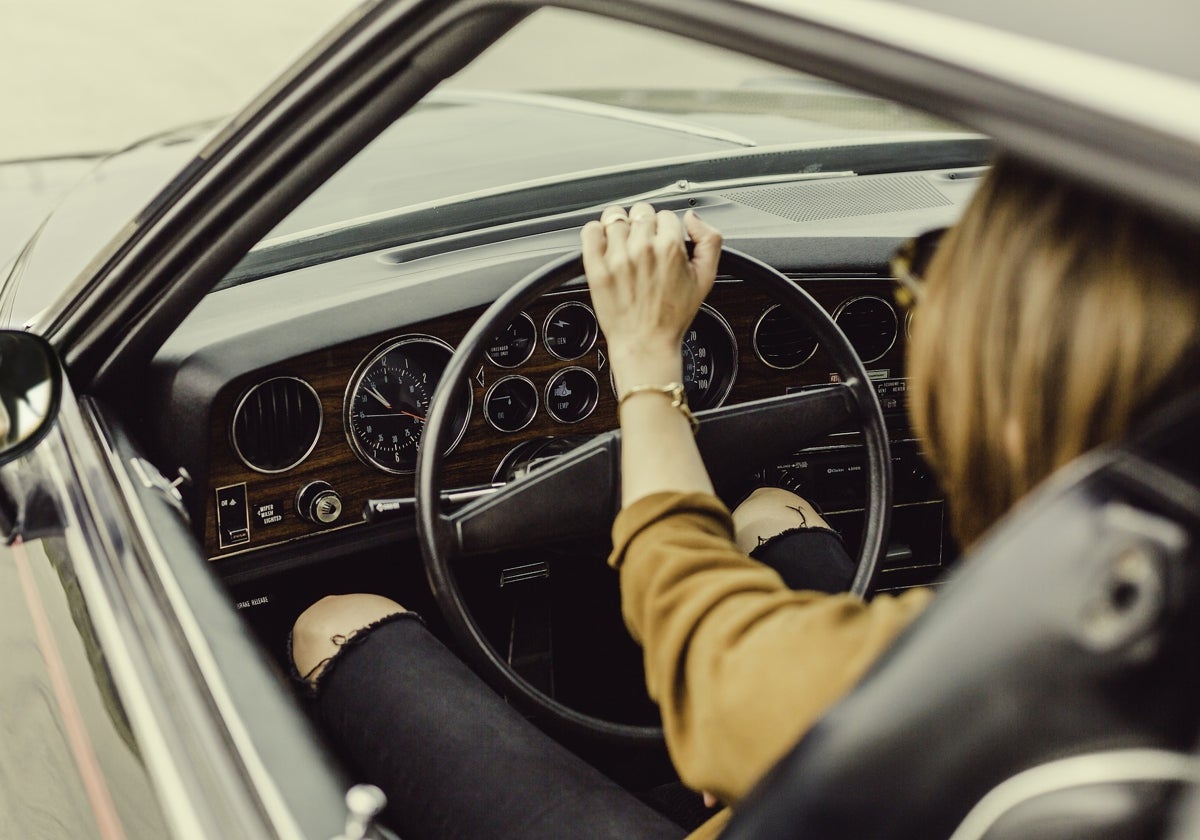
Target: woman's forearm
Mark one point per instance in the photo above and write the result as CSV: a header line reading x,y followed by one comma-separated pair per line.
x,y
658,450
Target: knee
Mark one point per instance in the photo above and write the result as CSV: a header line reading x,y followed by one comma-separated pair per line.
x,y
326,625
770,511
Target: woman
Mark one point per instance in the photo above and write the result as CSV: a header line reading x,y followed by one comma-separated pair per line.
x,y
1031,345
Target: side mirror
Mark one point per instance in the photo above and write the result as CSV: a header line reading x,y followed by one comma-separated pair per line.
x,y
31,381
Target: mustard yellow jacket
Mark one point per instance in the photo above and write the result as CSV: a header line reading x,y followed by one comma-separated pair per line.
x,y
739,664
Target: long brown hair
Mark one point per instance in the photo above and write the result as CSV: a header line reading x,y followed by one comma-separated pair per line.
x,y
1054,319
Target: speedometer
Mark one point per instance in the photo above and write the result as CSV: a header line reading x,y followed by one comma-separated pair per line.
x,y
709,359
710,354
388,400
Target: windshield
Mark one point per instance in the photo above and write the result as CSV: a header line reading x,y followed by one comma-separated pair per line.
x,y
569,111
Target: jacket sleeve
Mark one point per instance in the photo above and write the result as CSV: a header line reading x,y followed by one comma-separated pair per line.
x,y
739,664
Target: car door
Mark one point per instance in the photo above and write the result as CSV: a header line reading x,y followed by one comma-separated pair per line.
x,y
118,722
153,712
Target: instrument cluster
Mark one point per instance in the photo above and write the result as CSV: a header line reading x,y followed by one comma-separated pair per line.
x,y
349,420
389,394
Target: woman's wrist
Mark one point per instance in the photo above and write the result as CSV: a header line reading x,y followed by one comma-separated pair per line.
x,y
632,372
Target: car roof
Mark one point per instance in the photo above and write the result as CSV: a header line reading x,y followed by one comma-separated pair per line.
x,y
1123,117
1157,34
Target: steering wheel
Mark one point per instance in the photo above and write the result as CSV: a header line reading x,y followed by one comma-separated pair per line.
x,y
578,493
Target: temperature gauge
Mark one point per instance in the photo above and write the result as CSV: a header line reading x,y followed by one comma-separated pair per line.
x,y
572,394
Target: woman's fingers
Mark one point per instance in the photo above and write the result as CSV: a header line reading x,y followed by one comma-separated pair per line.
x,y
641,230
615,223
593,240
707,252
645,289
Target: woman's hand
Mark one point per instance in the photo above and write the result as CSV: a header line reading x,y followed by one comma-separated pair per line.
x,y
646,289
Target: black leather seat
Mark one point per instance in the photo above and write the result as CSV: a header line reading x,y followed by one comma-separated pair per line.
x,y
1070,631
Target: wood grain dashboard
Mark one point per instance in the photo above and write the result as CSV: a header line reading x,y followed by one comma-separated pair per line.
x,y
266,503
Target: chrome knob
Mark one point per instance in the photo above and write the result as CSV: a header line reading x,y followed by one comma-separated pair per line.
x,y
318,502
363,804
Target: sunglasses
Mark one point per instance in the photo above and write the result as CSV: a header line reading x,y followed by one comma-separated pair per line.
x,y
909,264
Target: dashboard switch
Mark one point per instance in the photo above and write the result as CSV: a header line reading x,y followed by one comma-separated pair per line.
x,y
318,502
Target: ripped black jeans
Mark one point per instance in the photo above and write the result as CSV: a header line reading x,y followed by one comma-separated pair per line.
x,y
458,763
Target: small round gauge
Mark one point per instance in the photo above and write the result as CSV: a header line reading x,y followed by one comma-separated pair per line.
x,y
388,399
510,404
572,394
514,346
570,330
870,325
709,359
781,341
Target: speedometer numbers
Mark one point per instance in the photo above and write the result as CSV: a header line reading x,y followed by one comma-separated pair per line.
x,y
709,359
388,400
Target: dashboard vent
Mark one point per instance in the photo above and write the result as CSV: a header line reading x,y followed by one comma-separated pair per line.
x,y
842,198
781,341
276,424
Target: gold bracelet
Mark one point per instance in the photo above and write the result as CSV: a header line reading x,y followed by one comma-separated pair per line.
x,y
674,390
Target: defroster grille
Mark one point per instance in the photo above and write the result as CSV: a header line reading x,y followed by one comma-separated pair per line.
x,y
842,198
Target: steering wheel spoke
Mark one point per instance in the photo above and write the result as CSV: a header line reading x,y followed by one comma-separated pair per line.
x,y
767,431
573,495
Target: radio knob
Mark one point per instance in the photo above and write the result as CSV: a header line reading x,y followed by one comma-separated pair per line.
x,y
318,502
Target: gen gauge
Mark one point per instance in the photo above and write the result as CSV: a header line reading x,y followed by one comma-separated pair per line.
x,y
388,399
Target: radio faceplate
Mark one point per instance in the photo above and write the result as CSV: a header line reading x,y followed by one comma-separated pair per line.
x,y
833,478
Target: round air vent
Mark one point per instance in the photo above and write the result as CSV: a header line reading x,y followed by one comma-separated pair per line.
x,y
870,324
780,340
276,424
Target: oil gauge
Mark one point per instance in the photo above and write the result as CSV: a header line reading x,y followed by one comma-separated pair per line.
x,y
510,404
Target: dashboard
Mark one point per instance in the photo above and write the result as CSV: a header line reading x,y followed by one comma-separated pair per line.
x,y
300,447
296,400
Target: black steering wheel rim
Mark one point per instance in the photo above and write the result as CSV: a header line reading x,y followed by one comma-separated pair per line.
x,y
437,533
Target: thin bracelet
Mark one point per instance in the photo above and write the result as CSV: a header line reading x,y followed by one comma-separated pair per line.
x,y
674,390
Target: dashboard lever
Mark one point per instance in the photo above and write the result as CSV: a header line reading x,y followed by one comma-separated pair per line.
x,y
382,510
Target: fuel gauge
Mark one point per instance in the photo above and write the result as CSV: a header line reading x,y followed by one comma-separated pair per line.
x,y
515,344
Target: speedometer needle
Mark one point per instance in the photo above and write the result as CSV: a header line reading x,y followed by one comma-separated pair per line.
x,y
401,411
379,397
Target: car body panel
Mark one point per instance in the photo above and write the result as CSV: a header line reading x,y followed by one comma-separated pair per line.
x,y
70,766
117,668
104,196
